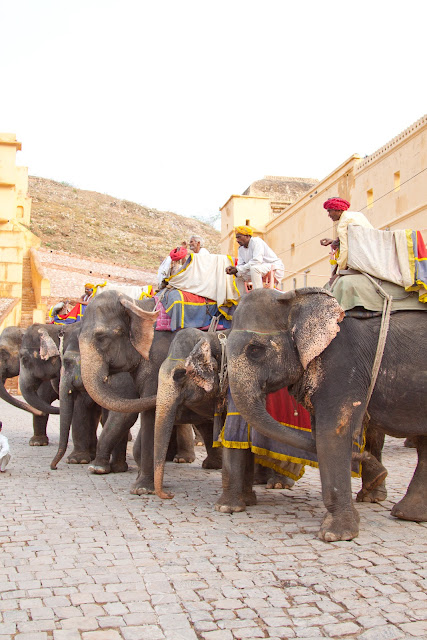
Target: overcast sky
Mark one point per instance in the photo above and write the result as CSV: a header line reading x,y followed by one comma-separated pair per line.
x,y
179,104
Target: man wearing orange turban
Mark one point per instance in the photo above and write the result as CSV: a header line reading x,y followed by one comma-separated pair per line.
x,y
337,209
255,260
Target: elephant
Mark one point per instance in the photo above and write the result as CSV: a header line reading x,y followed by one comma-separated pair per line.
x,y
187,393
117,335
12,356
302,340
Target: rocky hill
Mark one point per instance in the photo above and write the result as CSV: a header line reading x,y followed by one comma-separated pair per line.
x,y
98,226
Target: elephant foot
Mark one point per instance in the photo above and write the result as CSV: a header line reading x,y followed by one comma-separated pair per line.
x,y
277,481
226,505
39,441
344,526
184,458
213,460
249,498
79,457
376,495
119,467
100,468
143,487
412,508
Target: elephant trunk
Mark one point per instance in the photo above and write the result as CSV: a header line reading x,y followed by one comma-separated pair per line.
x,y
167,404
5,395
252,408
29,391
66,400
95,376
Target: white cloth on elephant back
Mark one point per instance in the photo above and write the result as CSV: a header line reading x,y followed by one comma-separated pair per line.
x,y
135,292
204,275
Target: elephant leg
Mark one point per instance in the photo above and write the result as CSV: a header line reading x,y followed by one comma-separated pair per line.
x,y
198,440
39,438
213,459
341,521
237,480
185,444
110,443
118,455
86,415
144,483
414,505
373,475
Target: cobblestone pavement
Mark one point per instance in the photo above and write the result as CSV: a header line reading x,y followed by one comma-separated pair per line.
x,y
81,558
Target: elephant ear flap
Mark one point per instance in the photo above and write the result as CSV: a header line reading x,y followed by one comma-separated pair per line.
x,y
48,348
201,365
315,325
141,326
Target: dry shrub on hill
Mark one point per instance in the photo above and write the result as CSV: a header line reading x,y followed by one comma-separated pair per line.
x,y
97,225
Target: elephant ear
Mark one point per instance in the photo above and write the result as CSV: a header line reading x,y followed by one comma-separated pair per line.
x,y
315,322
201,366
48,348
141,326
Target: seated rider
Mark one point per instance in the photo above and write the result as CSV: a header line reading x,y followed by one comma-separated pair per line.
x,y
337,209
196,245
255,260
171,264
88,294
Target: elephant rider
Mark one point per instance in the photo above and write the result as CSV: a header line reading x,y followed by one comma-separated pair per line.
x,y
89,289
169,264
337,209
196,245
255,260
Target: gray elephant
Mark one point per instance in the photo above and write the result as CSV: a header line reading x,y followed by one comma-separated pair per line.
x,y
117,335
301,339
187,393
15,348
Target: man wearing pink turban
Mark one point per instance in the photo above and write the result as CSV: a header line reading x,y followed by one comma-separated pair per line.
x,y
337,209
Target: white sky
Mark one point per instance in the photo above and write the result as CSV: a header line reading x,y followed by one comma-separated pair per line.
x,y
178,104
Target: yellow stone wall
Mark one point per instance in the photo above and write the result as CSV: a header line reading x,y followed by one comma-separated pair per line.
x,y
389,187
15,239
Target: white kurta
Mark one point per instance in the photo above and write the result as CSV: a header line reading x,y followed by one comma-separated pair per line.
x,y
258,253
4,452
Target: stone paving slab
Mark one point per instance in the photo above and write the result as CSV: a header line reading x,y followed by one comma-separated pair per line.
x,y
82,559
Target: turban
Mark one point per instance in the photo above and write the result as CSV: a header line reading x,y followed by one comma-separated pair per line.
x,y
338,204
244,231
88,285
178,254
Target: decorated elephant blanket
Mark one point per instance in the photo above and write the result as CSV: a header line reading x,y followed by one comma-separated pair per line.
x,y
182,309
74,315
204,275
236,433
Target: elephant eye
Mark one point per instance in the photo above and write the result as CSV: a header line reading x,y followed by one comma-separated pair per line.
x,y
255,351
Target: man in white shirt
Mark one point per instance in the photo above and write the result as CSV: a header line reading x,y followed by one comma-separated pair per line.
x,y
196,245
255,260
337,209
4,451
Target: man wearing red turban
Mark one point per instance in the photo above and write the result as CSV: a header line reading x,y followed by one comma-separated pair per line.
x,y
337,209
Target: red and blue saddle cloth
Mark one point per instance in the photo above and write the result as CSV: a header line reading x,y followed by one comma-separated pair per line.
x,y
236,433
418,263
181,309
74,315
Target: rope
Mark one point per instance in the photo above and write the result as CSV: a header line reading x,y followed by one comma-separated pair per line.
x,y
385,323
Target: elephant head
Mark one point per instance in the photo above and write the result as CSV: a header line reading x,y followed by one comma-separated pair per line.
x,y
40,360
10,344
116,333
275,340
186,383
